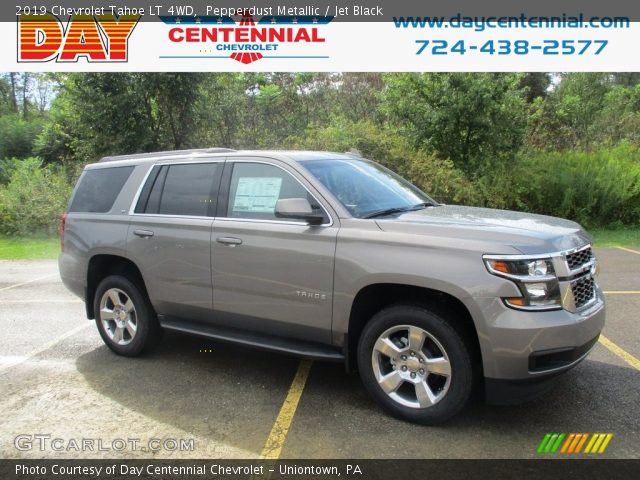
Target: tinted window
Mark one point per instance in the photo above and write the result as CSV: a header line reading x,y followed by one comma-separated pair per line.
x,y
365,187
186,189
149,201
255,188
98,189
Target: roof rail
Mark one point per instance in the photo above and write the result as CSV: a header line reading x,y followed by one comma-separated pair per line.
x,y
168,153
354,152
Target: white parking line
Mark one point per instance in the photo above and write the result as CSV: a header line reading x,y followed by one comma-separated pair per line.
x,y
18,360
28,282
57,300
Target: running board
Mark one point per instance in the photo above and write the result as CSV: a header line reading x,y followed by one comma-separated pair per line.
x,y
299,348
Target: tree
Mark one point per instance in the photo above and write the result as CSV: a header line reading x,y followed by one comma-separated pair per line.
x,y
98,114
579,98
476,120
536,85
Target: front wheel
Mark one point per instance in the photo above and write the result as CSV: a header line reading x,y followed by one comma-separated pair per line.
x,y
415,364
125,318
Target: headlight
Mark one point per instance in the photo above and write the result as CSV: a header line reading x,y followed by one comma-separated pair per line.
x,y
535,278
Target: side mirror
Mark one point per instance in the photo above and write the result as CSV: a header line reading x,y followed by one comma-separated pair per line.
x,y
298,209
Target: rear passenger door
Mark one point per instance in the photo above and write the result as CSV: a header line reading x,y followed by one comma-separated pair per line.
x,y
170,232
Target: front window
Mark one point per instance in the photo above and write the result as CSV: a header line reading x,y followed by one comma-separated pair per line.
x,y
256,187
366,188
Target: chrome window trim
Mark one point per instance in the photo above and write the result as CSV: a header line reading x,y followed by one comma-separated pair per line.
x,y
136,197
282,222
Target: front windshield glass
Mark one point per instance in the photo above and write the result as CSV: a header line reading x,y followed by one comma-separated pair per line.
x,y
364,187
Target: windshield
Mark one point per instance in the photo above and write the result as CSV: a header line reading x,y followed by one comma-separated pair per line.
x,y
366,188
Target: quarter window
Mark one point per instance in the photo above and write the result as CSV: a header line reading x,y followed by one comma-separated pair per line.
x,y
99,188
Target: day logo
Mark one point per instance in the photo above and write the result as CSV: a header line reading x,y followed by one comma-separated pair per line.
x,y
100,38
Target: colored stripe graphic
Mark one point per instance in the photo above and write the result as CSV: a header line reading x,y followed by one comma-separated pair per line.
x,y
551,442
573,443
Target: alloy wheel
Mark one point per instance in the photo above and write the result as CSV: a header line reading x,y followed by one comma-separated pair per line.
x,y
411,366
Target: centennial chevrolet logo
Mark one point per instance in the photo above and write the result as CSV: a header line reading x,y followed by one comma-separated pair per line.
x,y
97,38
247,41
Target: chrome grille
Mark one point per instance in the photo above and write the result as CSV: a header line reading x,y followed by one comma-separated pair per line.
x,y
578,259
584,290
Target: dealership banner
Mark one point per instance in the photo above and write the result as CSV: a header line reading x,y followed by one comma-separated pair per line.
x,y
384,35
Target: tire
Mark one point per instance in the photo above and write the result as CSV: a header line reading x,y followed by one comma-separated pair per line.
x,y
125,318
415,364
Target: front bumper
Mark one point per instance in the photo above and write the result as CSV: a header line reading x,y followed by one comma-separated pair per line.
x,y
509,392
523,350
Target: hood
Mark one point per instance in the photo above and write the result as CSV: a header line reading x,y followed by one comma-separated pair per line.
x,y
529,233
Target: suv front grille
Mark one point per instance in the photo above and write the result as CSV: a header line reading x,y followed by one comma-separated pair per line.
x,y
584,290
578,259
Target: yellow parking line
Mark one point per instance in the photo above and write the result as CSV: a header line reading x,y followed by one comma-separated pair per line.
x,y
629,250
273,446
624,355
622,292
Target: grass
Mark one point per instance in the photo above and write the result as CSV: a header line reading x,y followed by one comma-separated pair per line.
x,y
619,237
22,248
25,248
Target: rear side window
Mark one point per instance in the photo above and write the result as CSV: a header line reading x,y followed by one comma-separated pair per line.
x,y
183,189
98,189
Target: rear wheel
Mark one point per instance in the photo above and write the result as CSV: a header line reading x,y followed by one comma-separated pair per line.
x,y
125,318
415,364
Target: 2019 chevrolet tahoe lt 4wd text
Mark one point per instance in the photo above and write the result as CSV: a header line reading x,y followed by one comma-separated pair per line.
x,y
331,256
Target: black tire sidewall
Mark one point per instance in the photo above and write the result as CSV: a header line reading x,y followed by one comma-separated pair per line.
x,y
145,316
459,354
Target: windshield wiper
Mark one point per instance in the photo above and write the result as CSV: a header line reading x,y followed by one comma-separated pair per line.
x,y
391,211
387,211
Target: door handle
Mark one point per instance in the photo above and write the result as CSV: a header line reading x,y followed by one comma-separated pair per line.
x,y
143,233
229,241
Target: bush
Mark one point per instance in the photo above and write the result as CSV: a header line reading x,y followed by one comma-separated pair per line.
x,y
598,188
17,136
33,199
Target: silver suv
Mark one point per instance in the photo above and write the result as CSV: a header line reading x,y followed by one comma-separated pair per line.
x,y
332,257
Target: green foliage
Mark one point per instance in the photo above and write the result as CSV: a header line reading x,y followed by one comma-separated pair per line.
x,y
476,120
616,237
561,144
33,199
598,188
17,136
97,114
29,248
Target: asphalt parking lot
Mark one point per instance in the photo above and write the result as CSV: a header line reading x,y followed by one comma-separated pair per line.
x,y
59,379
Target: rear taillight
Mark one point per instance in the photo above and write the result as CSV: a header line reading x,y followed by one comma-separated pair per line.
x,y
61,223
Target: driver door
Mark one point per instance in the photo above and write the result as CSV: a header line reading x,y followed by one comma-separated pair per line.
x,y
271,275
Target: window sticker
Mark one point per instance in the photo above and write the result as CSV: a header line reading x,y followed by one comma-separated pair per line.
x,y
257,194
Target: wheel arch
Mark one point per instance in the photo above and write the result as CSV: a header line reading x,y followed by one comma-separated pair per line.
x,y
374,297
101,266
